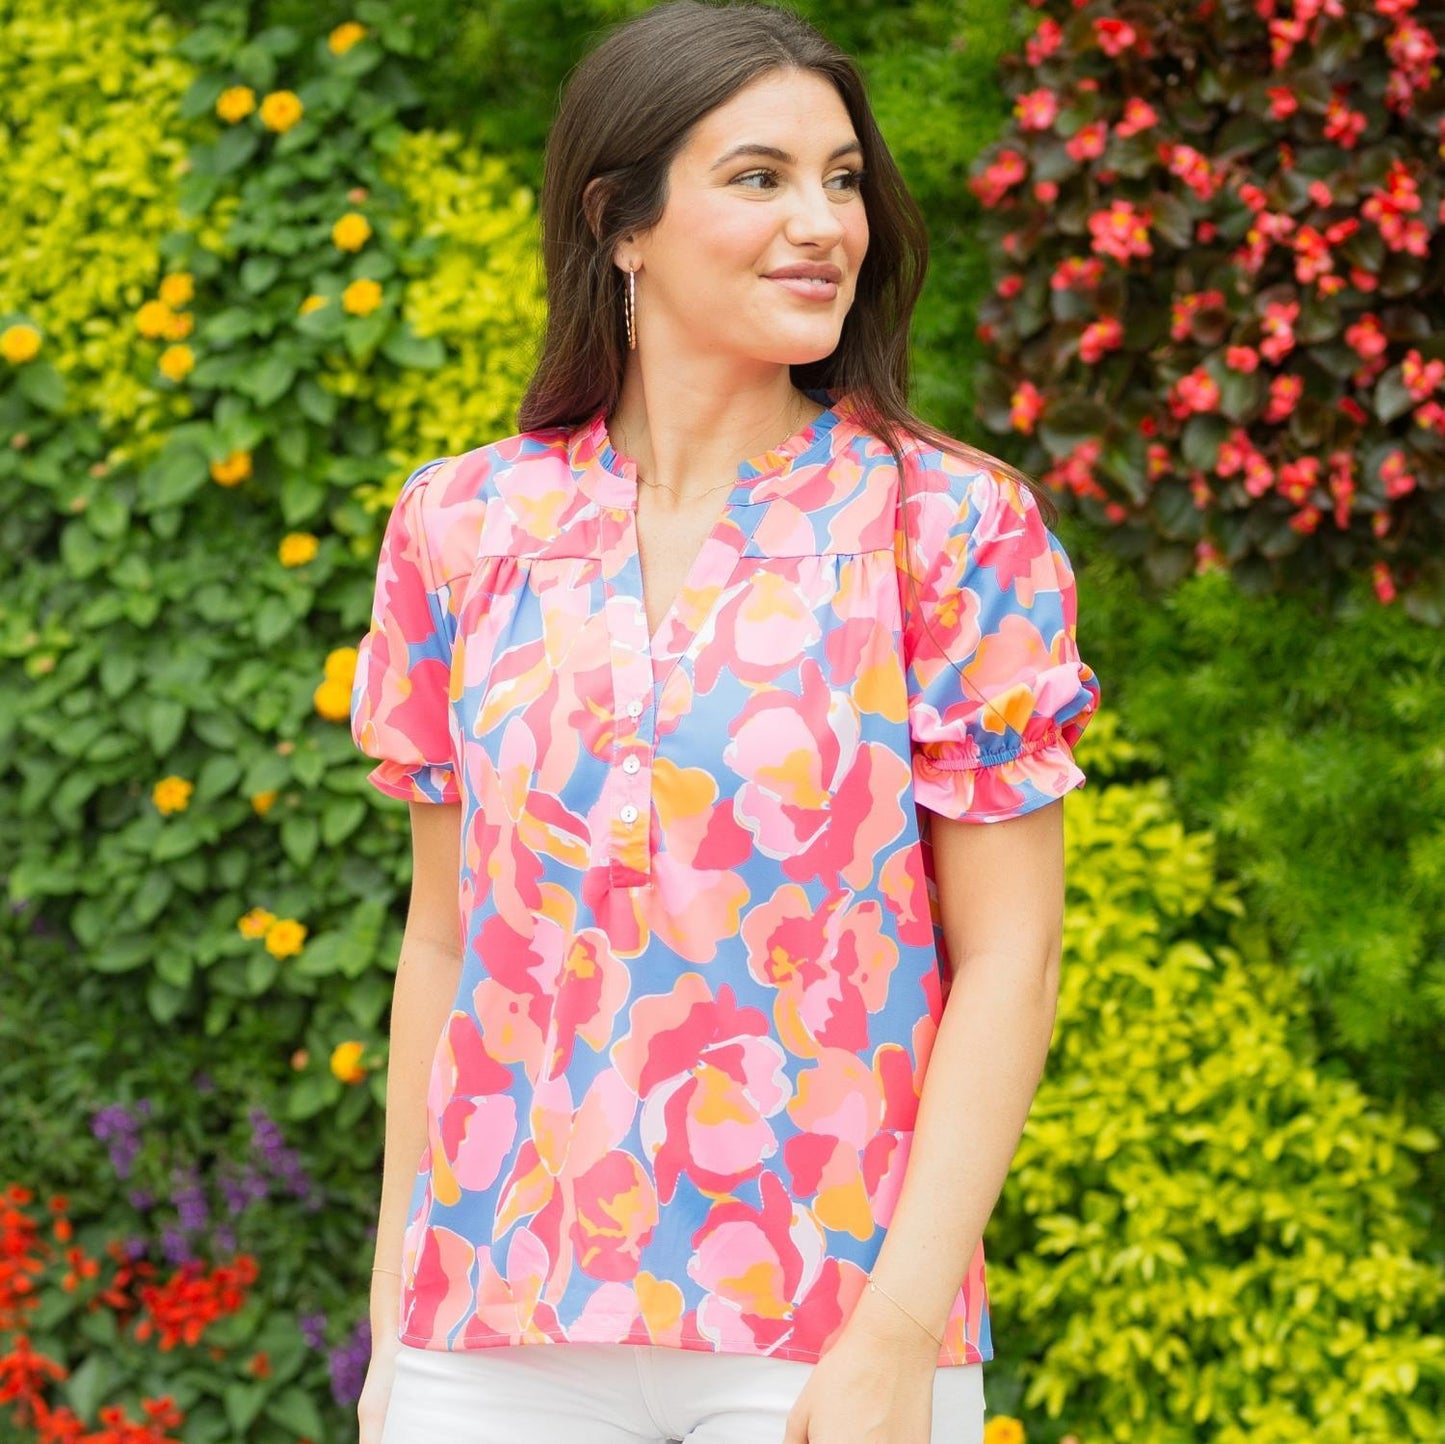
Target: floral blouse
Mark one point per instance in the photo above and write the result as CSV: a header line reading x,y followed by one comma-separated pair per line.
x,y
673,1101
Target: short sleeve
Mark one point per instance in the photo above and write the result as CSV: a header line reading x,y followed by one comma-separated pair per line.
x,y
997,692
400,698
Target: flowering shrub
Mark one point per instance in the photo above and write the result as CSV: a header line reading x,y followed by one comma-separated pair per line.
x,y
1213,327
1178,1250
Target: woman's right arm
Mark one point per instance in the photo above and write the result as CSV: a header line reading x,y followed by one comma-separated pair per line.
x,y
426,982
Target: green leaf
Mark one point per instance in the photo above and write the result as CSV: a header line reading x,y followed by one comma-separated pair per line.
x,y
217,777
107,515
412,352
179,838
316,403
89,1384
300,836
341,817
243,1402
302,498
164,1002
270,380
1199,444
122,955
273,620
259,273
201,96
41,385
81,550
164,720
150,898
177,474
261,970
232,149
175,967
311,1093
1392,398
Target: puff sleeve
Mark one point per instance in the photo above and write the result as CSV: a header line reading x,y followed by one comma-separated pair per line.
x,y
997,692
400,708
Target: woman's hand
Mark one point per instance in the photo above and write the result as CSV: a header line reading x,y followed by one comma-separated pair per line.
x,y
873,1386
376,1391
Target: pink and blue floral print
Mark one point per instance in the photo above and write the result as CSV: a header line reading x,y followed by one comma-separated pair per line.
x,y
673,1101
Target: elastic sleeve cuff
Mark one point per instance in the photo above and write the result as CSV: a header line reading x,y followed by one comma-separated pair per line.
x,y
429,782
953,781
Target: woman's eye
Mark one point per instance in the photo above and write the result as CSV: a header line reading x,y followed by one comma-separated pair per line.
x,y
852,180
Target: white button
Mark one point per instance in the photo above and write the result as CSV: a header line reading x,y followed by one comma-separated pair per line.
x,y
631,764
628,813
634,709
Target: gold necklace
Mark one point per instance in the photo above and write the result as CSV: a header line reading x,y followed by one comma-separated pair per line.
x,y
697,496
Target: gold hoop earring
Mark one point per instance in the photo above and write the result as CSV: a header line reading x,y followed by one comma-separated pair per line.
x,y
631,308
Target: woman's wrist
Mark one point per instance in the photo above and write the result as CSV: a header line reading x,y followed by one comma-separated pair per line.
x,y
887,1327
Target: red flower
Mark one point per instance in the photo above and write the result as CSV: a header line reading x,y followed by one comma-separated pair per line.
x,y
1088,142
1365,337
1005,172
1043,42
1009,286
1283,102
1114,36
1077,273
1384,583
1138,115
1321,194
1121,231
1398,481
1185,307
1242,358
1196,392
1284,395
1046,192
1279,319
1026,405
1194,170
1343,125
1100,337
1297,479
1036,109
1421,378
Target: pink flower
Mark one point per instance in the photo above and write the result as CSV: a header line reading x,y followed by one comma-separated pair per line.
x,y
1046,192
1088,142
1366,338
1004,172
1114,36
1398,480
1432,416
1321,194
1138,115
1186,307
1343,125
1306,519
1077,273
1100,337
1421,378
1279,319
1284,395
1043,42
1196,392
1036,109
1297,479
1384,583
1026,405
1194,170
1009,286
1121,231
1283,102
1242,358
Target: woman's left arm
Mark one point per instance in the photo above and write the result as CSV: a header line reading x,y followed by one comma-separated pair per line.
x,y
1001,902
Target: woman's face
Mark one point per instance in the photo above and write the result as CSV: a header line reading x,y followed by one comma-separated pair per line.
x,y
767,183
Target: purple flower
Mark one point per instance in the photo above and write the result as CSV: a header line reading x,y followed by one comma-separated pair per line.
x,y
141,1199
119,1130
313,1329
135,1248
348,1365
225,1239
176,1247
189,1199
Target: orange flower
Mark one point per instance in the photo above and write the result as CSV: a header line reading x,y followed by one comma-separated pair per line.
x,y
345,36
346,1062
361,297
1003,1430
351,232
233,470
297,548
340,665
255,923
172,794
281,110
263,802
285,937
177,362
19,344
236,103
178,289
152,320
179,325
332,700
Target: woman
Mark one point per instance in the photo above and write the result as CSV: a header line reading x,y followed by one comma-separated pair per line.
x,y
699,688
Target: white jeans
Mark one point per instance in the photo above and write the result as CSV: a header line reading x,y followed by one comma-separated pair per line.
x,y
623,1394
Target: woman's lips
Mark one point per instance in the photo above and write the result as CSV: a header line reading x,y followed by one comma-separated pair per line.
x,y
809,290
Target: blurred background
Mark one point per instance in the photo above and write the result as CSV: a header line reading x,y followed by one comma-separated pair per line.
x,y
258,261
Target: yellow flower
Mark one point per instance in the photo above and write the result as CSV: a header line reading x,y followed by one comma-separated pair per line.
x,y
340,665
345,36
281,110
152,319
255,923
177,362
179,324
263,802
297,548
346,1062
172,794
1003,1430
312,303
351,232
361,297
284,938
177,290
233,470
333,701
19,344
236,103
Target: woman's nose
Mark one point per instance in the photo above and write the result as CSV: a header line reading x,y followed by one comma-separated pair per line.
x,y
814,218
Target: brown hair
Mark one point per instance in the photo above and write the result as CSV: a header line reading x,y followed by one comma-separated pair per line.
x,y
624,113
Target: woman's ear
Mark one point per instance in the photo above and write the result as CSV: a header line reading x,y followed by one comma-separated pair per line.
x,y
594,209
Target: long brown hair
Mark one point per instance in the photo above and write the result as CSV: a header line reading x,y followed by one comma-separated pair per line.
x,y
625,112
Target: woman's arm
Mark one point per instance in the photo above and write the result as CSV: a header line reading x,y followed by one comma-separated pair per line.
x,y
426,982
1001,893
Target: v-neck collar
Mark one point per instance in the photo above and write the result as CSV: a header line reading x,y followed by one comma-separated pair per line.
x,y
609,476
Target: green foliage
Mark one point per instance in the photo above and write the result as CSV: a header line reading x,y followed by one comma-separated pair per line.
x,y
1311,747
1217,241
1207,1234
